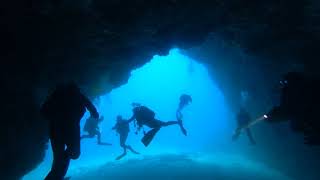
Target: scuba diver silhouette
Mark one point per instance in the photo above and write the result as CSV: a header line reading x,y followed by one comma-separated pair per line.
x,y
122,128
243,119
299,105
184,101
64,109
146,117
91,126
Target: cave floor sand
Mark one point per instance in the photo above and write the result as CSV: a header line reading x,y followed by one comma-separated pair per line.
x,y
177,166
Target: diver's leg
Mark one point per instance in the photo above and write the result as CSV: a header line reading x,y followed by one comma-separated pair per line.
x,y
123,154
60,160
123,144
65,164
156,126
236,134
168,123
99,139
155,123
98,136
73,143
132,150
87,136
183,130
250,136
123,138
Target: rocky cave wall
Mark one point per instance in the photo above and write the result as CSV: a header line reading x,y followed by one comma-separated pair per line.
x,y
97,43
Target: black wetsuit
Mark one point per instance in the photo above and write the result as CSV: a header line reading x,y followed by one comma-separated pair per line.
x,y
91,126
145,116
122,128
299,104
64,110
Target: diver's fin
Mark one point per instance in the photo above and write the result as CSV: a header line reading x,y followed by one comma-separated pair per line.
x,y
132,150
121,156
183,130
147,138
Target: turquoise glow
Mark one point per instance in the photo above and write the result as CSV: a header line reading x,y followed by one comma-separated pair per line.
x,y
158,85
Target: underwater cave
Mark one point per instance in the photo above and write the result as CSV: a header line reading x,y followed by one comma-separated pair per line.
x,y
207,151
252,59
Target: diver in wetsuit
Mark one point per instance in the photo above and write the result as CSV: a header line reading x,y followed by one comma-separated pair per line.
x,y
299,105
64,109
146,117
92,127
184,101
122,128
243,118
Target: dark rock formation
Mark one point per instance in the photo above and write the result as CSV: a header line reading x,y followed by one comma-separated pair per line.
x,y
97,43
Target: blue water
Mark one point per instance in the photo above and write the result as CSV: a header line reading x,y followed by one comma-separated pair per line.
x,y
158,85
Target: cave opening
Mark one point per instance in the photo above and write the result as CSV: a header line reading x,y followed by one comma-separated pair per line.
x,y
158,85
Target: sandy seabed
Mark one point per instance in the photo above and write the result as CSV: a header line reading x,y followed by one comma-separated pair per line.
x,y
175,166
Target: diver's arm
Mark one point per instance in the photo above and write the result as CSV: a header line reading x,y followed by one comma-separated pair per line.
x,y
251,123
132,118
93,111
277,114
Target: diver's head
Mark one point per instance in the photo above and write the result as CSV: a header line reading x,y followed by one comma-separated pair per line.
x,y
119,118
134,104
185,99
292,78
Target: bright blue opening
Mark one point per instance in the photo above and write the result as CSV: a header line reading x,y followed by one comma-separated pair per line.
x,y
158,85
